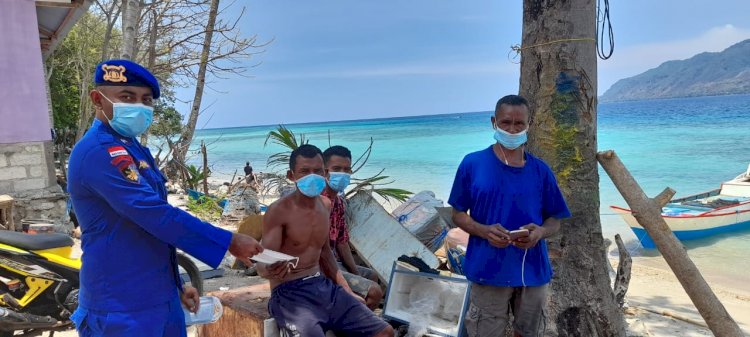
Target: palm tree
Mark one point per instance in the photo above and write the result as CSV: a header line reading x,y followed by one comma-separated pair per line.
x,y
286,138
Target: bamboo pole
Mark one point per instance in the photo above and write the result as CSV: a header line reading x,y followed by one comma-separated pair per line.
x,y
647,212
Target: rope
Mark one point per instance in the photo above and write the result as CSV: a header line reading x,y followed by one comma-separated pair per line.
x,y
602,16
606,25
518,49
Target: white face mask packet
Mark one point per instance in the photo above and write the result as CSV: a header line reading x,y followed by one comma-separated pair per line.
x,y
270,257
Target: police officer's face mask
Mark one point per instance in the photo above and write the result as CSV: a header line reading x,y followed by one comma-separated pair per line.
x,y
130,119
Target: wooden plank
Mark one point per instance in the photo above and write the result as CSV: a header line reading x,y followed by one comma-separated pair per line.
x,y
245,310
379,238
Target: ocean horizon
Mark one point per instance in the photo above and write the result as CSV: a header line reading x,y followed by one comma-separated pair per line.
x,y
689,144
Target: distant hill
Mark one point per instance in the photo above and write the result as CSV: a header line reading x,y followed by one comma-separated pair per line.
x,y
705,74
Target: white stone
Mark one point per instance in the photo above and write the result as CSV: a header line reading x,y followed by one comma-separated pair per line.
x,y
33,148
16,172
30,184
25,159
35,171
3,162
6,187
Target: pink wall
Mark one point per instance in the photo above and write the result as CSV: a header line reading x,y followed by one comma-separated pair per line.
x,y
24,114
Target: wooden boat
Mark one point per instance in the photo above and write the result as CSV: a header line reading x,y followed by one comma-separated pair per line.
x,y
722,210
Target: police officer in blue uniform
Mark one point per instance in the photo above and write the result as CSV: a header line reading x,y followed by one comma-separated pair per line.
x,y
129,279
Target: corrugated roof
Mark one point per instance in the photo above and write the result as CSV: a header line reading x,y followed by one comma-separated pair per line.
x,y
55,19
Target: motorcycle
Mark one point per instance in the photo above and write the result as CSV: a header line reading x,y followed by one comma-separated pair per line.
x,y
39,282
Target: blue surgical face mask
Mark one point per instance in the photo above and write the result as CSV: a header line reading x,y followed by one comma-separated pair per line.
x,y
339,180
130,119
311,185
510,141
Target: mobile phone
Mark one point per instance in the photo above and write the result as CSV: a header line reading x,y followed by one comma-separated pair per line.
x,y
518,233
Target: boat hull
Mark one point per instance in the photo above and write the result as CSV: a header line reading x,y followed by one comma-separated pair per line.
x,y
692,227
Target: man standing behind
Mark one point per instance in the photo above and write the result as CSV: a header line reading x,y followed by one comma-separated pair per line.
x,y
363,281
130,284
497,190
303,302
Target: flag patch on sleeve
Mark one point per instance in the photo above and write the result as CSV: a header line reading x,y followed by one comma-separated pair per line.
x,y
116,151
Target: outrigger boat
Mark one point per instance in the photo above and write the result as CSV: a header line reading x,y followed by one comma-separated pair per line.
x,y
702,215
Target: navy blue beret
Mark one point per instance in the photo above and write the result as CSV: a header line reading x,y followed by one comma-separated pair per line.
x,y
126,73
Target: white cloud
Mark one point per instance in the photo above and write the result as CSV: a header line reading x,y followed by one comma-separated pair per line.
x,y
633,60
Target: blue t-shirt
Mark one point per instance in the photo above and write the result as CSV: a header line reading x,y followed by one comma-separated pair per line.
x,y
495,193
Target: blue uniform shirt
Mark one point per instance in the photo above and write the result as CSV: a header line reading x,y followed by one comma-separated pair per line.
x,y
495,193
129,231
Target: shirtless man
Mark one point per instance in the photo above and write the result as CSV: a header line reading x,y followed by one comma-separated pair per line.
x,y
304,302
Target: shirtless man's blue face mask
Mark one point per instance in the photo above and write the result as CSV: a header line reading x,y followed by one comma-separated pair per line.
x,y
308,175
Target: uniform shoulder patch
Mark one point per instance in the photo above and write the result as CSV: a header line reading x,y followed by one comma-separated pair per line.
x,y
117,151
131,173
124,163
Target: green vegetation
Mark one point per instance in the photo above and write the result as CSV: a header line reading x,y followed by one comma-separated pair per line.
x,y
206,208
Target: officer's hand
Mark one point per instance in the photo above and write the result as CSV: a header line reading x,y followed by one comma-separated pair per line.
x,y
190,299
243,247
497,235
536,233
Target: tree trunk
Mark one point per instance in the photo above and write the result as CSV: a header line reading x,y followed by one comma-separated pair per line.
x,y
558,77
85,116
112,16
187,133
151,55
205,168
130,13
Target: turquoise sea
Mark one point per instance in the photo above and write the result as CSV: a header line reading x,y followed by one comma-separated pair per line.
x,y
689,144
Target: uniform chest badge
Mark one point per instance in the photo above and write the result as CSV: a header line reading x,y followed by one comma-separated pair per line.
x,y
114,74
143,165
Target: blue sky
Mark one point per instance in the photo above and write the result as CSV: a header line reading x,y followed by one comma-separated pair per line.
x,y
342,60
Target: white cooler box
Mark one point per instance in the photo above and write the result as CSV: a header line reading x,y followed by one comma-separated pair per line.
x,y
437,303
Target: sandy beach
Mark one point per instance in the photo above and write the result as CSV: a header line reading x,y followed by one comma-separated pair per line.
x,y
658,304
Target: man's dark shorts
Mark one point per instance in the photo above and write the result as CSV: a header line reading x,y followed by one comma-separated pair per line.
x,y
311,306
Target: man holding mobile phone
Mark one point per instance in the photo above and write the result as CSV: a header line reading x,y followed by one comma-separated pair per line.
x,y
509,202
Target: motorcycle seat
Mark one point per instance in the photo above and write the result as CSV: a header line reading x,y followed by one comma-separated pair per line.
x,y
35,241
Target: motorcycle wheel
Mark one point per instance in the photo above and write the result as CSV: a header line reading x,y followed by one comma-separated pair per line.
x,y
196,280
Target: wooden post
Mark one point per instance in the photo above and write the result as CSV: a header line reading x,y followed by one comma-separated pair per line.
x,y
622,280
647,212
205,168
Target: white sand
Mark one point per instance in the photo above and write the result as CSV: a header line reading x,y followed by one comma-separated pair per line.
x,y
655,288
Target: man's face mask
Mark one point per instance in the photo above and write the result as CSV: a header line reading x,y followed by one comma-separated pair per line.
x,y
338,181
130,119
311,185
510,141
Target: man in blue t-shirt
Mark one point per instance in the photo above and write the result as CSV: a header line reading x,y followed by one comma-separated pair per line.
x,y
498,191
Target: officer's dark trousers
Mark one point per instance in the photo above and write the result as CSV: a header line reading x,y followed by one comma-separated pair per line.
x,y
165,320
